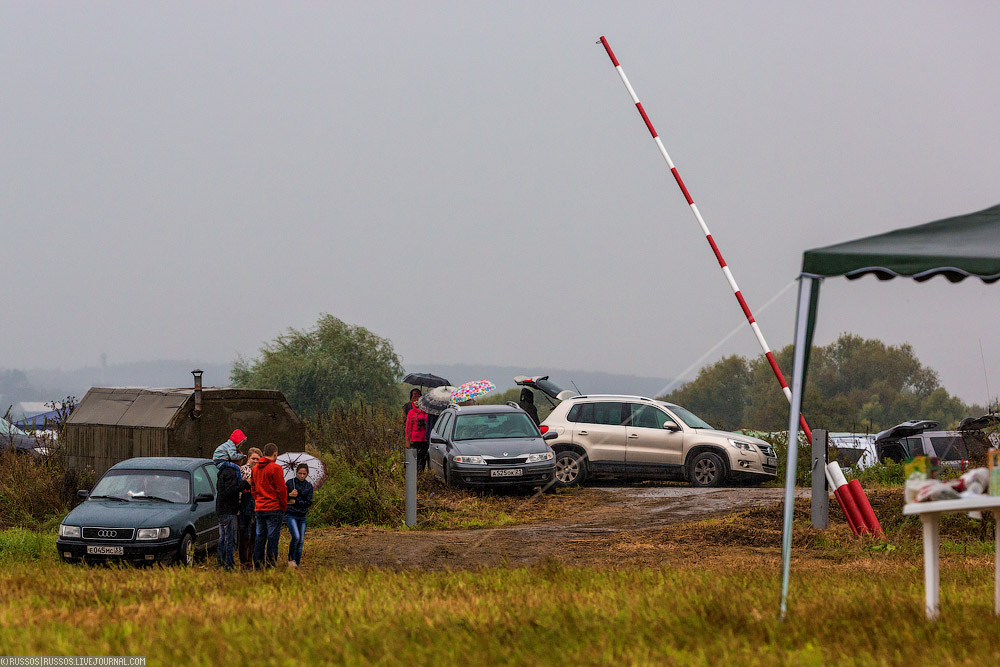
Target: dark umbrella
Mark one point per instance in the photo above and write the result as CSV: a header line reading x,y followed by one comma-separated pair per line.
x,y
425,380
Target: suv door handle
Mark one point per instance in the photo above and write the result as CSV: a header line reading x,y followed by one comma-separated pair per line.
x,y
582,432
633,435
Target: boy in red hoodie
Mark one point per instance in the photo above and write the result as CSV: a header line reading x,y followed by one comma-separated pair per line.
x,y
267,484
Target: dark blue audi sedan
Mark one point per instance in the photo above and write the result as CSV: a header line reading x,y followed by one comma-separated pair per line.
x,y
145,510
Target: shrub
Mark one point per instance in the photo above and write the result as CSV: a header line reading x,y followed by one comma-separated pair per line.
x,y
884,474
33,489
363,453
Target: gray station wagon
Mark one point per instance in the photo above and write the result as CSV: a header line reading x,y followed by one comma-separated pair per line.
x,y
490,445
145,510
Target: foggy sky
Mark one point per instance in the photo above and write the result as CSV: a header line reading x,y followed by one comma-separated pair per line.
x,y
472,181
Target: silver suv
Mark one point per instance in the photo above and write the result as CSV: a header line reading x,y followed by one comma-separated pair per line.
x,y
635,437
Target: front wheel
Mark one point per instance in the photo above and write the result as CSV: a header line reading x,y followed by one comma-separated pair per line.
x,y
707,469
185,553
571,468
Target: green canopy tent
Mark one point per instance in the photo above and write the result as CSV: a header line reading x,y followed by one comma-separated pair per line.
x,y
956,248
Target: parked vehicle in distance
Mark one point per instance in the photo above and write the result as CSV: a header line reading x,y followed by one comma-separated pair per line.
x,y
14,439
145,510
490,445
962,448
637,438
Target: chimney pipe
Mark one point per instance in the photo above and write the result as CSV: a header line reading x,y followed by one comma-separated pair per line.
x,y
197,373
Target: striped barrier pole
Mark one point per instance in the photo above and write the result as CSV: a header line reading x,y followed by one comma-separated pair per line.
x,y
708,235
842,491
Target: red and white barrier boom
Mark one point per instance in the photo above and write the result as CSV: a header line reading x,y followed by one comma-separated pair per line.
x,y
715,249
853,501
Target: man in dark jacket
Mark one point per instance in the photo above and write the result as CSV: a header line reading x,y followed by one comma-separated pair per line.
x,y
527,404
267,482
227,505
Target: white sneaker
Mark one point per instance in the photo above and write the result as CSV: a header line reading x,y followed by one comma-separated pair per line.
x,y
292,565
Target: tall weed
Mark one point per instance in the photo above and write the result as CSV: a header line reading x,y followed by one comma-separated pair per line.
x,y
33,489
362,449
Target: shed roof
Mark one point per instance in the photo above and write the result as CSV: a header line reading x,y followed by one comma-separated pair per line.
x,y
150,407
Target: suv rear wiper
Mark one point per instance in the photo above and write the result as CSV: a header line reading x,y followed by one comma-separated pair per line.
x,y
124,500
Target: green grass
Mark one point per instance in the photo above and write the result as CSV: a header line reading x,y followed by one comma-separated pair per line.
x,y
870,613
20,545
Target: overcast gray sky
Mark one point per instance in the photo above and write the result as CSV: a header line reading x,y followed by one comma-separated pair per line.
x,y
471,180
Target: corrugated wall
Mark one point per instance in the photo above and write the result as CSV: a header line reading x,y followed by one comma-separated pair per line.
x,y
100,447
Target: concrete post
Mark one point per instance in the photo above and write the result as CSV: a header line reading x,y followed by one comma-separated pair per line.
x,y
820,491
410,466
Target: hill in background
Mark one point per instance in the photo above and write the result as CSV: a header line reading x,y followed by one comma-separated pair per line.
x,y
588,382
46,384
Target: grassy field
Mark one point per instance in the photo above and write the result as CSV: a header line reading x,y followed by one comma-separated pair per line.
x,y
852,602
867,614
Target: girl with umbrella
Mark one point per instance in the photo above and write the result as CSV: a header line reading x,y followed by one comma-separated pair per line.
x,y
300,497
416,434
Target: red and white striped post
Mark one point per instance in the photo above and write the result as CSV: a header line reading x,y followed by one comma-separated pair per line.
x,y
708,235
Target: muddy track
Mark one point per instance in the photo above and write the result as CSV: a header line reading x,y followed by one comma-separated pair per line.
x,y
608,526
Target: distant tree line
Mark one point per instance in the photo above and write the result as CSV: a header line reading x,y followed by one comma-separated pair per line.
x,y
853,384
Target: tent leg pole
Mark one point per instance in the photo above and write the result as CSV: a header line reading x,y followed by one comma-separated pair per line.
x,y
801,320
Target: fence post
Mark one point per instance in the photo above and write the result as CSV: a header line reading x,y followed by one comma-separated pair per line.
x,y
820,492
410,466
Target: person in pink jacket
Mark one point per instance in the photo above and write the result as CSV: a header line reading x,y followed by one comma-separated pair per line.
x,y
416,435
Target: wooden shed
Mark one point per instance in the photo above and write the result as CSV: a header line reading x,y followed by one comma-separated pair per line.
x,y
113,424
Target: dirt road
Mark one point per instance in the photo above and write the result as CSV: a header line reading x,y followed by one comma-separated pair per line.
x,y
597,526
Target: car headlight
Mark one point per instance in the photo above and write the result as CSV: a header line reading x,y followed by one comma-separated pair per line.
x,y
477,460
152,533
745,446
544,456
69,531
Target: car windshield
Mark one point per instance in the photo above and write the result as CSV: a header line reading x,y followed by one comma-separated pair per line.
x,y
686,416
492,426
138,485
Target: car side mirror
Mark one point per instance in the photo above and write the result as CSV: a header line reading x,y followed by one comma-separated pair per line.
x,y
204,498
435,440
550,435
83,493
670,426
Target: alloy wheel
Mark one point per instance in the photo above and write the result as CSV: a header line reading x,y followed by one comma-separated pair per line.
x,y
705,471
567,468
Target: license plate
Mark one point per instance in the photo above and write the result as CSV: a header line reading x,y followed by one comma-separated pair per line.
x,y
771,461
106,551
509,472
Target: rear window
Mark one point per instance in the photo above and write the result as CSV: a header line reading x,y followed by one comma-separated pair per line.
x,y
495,426
959,447
606,412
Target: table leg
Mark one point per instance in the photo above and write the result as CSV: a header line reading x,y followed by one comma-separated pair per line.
x,y
932,578
996,563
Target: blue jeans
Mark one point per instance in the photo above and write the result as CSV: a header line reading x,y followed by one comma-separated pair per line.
x,y
297,529
268,531
227,541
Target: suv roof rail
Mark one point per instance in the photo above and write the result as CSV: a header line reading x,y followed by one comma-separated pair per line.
x,y
642,398
515,405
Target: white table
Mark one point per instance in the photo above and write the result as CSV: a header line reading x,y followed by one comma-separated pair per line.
x,y
930,514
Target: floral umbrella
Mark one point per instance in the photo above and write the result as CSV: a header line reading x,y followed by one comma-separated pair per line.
x,y
471,391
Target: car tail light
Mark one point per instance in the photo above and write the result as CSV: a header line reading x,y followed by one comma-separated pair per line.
x,y
543,429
